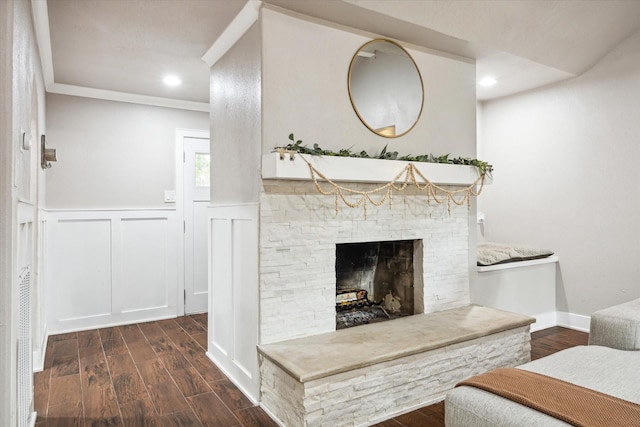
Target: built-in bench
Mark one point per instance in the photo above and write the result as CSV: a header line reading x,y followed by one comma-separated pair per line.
x,y
362,375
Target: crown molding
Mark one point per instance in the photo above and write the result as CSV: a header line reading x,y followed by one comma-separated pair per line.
x,y
40,13
43,38
132,98
234,31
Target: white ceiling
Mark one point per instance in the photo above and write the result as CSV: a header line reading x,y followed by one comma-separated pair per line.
x,y
120,50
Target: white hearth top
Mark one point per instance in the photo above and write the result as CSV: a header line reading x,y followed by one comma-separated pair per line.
x,y
351,169
319,356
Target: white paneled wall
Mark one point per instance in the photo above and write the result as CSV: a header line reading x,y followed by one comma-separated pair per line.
x,y
25,300
233,294
110,267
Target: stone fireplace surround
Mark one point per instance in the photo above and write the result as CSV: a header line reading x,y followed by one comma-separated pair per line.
x,y
299,230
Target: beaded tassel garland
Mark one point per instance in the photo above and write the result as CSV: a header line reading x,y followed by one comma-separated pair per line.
x,y
407,177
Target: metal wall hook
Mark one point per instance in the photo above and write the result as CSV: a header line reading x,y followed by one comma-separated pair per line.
x,y
47,155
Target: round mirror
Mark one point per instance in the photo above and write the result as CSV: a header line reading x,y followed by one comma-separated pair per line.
x,y
385,88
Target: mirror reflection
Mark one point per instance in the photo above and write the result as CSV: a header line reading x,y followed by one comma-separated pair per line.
x,y
385,88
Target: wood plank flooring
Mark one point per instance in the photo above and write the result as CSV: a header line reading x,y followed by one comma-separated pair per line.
x,y
157,374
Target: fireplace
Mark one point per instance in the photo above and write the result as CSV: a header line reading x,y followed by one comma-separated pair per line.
x,y
300,232
376,281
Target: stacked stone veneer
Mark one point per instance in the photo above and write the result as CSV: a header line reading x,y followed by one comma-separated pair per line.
x,y
370,394
299,229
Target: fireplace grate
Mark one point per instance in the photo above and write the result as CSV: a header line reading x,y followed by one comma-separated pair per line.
x,y
364,315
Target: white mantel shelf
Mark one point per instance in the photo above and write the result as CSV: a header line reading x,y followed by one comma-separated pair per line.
x,y
351,169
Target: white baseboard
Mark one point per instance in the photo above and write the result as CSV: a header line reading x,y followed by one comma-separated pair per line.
x,y
38,355
249,389
578,322
77,325
544,321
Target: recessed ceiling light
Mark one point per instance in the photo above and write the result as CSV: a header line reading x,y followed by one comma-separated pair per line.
x,y
488,81
172,81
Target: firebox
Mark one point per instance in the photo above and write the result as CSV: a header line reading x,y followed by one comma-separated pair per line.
x,y
376,281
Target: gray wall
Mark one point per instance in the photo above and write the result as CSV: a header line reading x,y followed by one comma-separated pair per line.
x,y
566,178
290,75
113,155
305,91
236,122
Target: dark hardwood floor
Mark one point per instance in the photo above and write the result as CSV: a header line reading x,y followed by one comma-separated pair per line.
x,y
157,374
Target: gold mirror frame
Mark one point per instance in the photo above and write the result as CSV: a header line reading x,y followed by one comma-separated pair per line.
x,y
368,52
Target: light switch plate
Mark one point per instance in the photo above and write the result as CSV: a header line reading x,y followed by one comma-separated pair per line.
x,y
169,196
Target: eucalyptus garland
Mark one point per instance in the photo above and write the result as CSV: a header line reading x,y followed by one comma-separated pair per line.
x,y
484,168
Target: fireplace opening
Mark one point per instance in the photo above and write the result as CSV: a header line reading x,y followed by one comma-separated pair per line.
x,y
376,281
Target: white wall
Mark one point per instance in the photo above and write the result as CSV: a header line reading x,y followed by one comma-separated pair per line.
x,y
22,110
7,218
113,155
566,178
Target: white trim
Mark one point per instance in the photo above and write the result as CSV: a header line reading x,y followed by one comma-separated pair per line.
x,y
97,323
544,321
510,265
578,322
181,134
64,210
234,31
38,355
252,394
111,95
353,169
43,37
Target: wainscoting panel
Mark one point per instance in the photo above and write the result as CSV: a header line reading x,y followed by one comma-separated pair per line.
x,y
148,274
221,293
233,293
110,267
82,271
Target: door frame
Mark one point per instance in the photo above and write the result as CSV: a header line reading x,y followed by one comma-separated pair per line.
x,y
181,134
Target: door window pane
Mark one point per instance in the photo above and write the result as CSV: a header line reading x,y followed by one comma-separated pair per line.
x,y
202,174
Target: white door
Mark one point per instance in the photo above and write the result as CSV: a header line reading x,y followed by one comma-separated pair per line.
x,y
196,200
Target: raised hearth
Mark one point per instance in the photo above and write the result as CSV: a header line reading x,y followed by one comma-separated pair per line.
x,y
359,376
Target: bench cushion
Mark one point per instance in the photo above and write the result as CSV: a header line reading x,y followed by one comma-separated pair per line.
x,y
617,326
